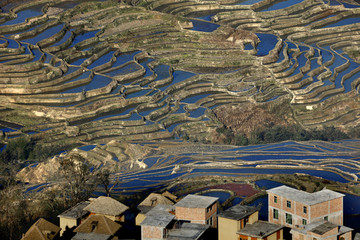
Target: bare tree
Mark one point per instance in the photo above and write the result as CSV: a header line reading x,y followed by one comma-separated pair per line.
x,y
104,180
79,178
13,210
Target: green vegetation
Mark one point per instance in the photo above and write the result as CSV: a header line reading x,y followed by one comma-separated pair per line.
x,y
279,133
24,148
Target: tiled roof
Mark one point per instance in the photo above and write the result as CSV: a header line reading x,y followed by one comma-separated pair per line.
x,y
42,230
91,236
98,224
187,231
260,229
106,206
154,199
322,227
76,212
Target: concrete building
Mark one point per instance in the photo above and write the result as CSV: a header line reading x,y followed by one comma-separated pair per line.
x,y
197,209
107,207
234,219
323,230
160,223
188,219
157,223
294,208
72,217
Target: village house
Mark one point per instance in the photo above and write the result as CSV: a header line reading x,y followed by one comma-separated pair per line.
x,y
42,229
97,227
107,207
189,231
72,217
151,201
261,230
294,208
197,209
158,222
190,218
323,230
234,219
242,223
161,223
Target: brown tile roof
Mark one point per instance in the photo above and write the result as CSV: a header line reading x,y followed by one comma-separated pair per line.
x,y
170,196
98,224
106,206
42,230
154,199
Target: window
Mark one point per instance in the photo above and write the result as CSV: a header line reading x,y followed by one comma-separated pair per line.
x,y
288,204
209,209
288,218
275,199
326,218
305,209
276,214
304,222
209,221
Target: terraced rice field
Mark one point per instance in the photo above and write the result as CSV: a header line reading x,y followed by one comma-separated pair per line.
x,y
82,69
160,164
89,72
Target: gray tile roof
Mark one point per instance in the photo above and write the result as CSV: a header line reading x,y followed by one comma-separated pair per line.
x,y
91,236
196,201
238,212
322,227
187,231
357,236
76,212
106,206
159,216
305,197
144,209
260,229
344,229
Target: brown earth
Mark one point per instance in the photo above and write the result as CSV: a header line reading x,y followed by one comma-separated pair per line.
x,y
246,118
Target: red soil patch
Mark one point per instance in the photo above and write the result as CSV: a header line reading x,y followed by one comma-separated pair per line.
x,y
240,189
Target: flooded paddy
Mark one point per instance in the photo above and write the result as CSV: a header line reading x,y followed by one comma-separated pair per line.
x,y
161,82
